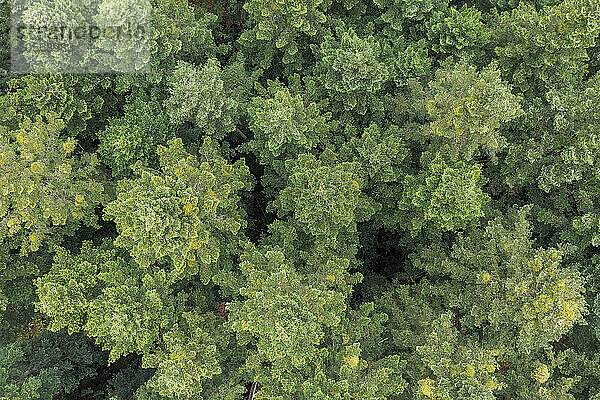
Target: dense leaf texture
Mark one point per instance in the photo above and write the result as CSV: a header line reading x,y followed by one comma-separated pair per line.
x,y
305,199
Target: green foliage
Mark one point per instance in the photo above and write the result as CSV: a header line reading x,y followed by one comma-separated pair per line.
x,y
527,288
66,290
69,56
17,293
277,20
189,356
281,24
179,31
124,55
170,27
284,123
344,371
131,309
5,11
134,137
469,107
480,326
324,197
284,315
187,213
416,215
568,153
460,369
446,196
509,4
458,32
350,67
198,96
127,318
545,48
408,60
557,164
47,189
41,94
397,13
381,153
47,367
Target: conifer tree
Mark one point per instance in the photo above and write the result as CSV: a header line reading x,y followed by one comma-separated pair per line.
x,y
48,187
303,199
188,213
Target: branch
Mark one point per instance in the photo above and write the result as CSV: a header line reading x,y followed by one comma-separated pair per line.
x,y
252,391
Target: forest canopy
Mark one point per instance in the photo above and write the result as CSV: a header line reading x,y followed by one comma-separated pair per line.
x,y
303,200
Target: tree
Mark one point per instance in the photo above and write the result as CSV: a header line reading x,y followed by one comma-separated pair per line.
x,y
490,302
458,32
280,26
468,108
415,215
351,69
134,137
17,293
446,196
541,49
555,165
284,315
188,213
47,366
324,197
133,18
198,96
286,318
150,35
179,32
285,123
128,309
398,13
48,188
41,94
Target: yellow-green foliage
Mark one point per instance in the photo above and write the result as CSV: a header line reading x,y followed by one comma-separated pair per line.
x,y
447,195
304,199
188,213
48,187
467,108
